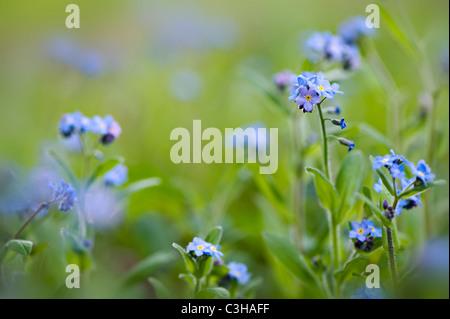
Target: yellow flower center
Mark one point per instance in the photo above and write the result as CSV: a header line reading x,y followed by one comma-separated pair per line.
x,y
385,160
308,98
421,173
360,231
237,273
321,88
373,228
213,249
200,247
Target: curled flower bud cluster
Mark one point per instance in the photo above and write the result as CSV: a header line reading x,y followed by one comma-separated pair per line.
x,y
364,233
77,123
397,165
64,194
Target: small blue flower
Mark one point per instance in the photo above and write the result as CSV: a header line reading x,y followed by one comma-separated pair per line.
x,y
116,176
378,187
325,89
381,161
307,99
397,171
213,251
368,293
113,130
64,194
423,172
239,272
374,231
359,230
199,247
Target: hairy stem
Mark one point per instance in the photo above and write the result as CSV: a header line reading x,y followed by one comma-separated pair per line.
x,y
392,262
44,205
325,140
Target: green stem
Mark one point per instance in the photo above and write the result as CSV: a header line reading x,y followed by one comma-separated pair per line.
x,y
334,236
30,219
325,140
392,262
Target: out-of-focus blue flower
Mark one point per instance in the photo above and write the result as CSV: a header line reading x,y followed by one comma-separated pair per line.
x,y
116,176
73,123
306,99
351,58
186,85
423,172
359,230
64,194
252,140
333,110
378,187
353,28
285,80
89,62
340,123
397,171
368,293
374,231
103,208
445,59
199,247
239,272
112,130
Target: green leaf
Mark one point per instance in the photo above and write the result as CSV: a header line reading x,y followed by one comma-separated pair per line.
x,y
141,185
213,293
289,256
105,167
147,267
325,190
65,167
161,290
401,37
354,266
348,182
189,278
375,209
366,191
190,264
387,180
205,267
214,235
267,88
22,247
220,271
420,189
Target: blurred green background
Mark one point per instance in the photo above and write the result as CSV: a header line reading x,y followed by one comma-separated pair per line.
x,y
158,65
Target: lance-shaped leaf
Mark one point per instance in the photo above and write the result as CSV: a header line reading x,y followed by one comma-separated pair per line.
x,y
375,209
190,264
291,258
162,292
348,182
354,266
387,180
420,189
325,190
147,267
213,293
